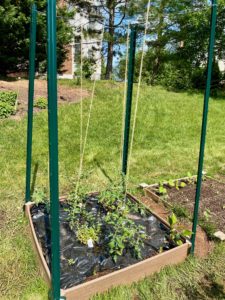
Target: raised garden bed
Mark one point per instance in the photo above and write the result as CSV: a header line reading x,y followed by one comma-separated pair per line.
x,y
90,269
182,197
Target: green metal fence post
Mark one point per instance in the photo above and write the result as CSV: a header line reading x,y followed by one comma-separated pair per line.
x,y
204,121
53,151
33,29
133,36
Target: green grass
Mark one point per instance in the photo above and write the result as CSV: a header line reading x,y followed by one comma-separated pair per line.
x,y
166,146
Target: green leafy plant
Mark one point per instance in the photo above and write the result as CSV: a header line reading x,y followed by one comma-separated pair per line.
x,y
182,184
85,233
40,197
41,103
8,97
190,179
137,208
6,110
7,103
171,183
113,197
176,236
177,185
162,190
124,234
71,262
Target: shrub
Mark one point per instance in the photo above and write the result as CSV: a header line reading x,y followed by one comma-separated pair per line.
x,y
88,67
41,103
175,77
8,97
6,110
7,103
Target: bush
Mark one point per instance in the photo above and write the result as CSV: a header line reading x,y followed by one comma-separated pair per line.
x,y
8,97
175,78
6,110
41,103
7,103
88,67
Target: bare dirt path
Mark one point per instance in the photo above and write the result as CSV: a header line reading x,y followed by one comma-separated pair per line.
x,y
65,94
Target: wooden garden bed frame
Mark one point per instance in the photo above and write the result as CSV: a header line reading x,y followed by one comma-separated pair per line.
x,y
149,190
124,276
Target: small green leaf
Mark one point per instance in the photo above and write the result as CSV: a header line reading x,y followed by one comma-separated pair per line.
x,y
186,233
172,219
182,184
171,183
179,243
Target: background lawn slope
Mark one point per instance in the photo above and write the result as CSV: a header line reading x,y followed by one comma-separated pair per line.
x,y
166,146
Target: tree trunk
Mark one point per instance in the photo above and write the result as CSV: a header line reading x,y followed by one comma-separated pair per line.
x,y
109,65
160,44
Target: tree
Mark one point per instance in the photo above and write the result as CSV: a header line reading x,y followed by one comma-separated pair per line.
x,y
110,13
115,13
14,31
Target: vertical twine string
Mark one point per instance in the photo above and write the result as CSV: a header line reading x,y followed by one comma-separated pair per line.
x,y
83,144
138,90
81,109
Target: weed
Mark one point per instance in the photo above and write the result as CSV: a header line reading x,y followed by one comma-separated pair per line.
x,y
180,211
208,227
207,214
41,103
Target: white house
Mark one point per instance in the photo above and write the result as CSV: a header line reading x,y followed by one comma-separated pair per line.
x,y
91,44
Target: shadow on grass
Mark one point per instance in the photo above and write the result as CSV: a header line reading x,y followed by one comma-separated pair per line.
x,y
215,288
34,178
211,288
103,170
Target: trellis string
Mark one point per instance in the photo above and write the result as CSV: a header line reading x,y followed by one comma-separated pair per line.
x,y
138,89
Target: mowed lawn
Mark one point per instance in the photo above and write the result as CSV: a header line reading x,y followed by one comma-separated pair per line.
x,y
166,146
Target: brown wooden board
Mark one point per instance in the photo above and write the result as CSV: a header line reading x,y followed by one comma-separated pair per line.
x,y
127,275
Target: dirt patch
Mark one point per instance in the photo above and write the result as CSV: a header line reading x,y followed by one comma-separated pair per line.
x,y
212,200
202,246
65,94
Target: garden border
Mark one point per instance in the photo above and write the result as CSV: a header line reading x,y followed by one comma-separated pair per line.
x,y
124,276
150,193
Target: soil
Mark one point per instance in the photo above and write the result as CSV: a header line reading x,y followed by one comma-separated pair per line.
x,y
65,94
212,199
89,263
202,246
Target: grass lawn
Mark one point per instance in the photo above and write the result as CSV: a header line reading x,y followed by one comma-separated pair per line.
x,y
166,146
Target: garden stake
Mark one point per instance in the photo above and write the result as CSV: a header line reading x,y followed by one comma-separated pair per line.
x,y
53,150
129,99
138,86
33,29
204,122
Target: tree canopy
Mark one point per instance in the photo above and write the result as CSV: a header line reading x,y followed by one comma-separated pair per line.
x,y
15,29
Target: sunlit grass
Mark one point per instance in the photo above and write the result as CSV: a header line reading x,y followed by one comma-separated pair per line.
x,y
166,146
